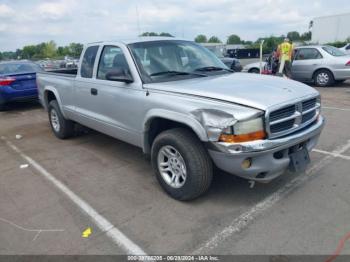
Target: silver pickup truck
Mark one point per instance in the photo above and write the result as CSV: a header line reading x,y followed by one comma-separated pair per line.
x,y
188,111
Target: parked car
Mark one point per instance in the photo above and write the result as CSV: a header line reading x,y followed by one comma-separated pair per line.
x,y
346,49
230,62
187,110
17,81
322,65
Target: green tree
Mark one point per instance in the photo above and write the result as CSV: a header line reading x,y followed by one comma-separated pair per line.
x,y
306,36
294,35
270,43
63,51
1,57
233,40
49,49
201,39
214,39
18,54
149,34
75,49
165,34
8,55
28,51
39,51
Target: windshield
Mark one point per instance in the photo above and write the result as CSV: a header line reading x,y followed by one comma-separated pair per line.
x,y
14,68
333,51
171,60
216,50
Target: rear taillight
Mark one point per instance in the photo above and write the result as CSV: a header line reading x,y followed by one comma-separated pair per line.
x,y
348,63
6,81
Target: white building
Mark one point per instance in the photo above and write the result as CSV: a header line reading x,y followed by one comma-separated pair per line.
x,y
327,29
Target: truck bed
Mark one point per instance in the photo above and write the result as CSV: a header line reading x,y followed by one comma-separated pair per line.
x,y
62,72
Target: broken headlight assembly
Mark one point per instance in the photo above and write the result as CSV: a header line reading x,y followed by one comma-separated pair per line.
x,y
244,131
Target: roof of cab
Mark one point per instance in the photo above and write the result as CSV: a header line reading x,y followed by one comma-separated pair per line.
x,y
310,46
139,39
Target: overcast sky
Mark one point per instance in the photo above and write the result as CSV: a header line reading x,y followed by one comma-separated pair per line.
x,y
33,21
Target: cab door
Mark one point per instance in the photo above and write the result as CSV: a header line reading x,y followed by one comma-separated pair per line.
x,y
112,101
306,61
85,86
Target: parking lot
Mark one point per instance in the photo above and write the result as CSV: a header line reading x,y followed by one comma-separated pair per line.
x,y
52,190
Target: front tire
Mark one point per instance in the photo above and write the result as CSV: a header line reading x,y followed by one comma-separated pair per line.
x,y
323,78
182,164
61,127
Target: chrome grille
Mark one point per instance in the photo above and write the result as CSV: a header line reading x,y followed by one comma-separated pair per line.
x,y
282,126
308,104
282,113
290,118
308,116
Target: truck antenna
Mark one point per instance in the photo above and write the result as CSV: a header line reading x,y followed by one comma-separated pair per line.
x,y
138,21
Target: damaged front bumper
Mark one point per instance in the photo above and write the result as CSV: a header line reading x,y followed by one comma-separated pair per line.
x,y
269,158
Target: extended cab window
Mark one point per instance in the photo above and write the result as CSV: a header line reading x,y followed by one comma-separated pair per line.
x,y
112,61
307,54
87,65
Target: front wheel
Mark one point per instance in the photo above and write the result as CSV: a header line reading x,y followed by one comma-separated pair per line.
x,y
61,127
181,163
323,78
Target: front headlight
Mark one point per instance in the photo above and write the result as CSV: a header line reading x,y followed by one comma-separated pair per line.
x,y
249,126
244,131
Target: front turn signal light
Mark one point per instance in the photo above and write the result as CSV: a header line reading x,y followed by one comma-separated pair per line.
x,y
229,138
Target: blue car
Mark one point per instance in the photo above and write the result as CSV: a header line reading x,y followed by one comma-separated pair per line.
x,y
18,81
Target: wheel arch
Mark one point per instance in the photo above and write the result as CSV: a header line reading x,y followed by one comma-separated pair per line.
x,y
319,69
252,69
50,94
158,121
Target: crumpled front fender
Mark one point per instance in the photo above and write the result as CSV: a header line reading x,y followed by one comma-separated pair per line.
x,y
214,121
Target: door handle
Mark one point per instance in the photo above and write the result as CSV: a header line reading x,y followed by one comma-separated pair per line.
x,y
94,91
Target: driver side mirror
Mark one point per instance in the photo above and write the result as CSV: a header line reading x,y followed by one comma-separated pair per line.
x,y
119,76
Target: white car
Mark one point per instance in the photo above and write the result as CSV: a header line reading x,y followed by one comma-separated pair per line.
x,y
346,48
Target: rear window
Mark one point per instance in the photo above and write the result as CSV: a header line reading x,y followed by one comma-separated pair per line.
x,y
13,68
88,62
333,51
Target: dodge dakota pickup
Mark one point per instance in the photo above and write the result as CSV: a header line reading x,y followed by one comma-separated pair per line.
x,y
179,103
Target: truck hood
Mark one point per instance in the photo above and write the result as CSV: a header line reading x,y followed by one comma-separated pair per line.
x,y
253,90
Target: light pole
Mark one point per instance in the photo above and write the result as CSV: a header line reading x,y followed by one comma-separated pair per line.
x,y
261,54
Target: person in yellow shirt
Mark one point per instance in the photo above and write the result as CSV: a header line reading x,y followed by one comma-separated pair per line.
x,y
285,51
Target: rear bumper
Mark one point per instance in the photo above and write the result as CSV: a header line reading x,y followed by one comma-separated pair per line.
x,y
341,73
270,158
8,94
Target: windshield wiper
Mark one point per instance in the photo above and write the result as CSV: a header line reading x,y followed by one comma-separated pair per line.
x,y
174,73
213,68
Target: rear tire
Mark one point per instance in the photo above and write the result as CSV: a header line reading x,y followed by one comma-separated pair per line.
x,y
254,71
2,107
323,78
181,163
61,127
